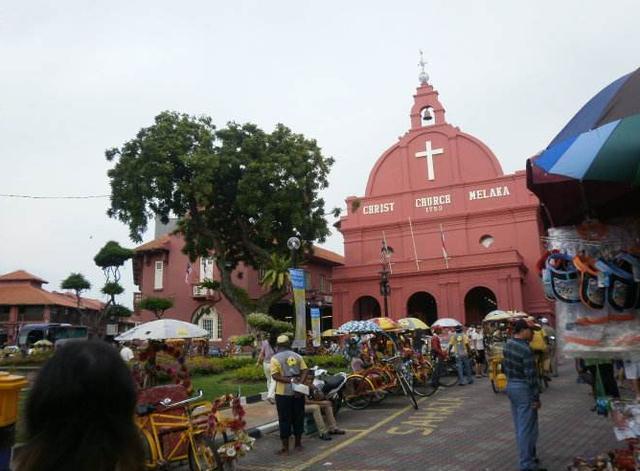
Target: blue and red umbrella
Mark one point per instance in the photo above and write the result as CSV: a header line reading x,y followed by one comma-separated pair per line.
x,y
592,167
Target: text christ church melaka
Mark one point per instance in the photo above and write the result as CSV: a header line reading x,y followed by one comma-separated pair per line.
x,y
465,237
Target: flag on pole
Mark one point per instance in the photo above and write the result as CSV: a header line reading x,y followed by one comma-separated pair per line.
x,y
445,255
187,275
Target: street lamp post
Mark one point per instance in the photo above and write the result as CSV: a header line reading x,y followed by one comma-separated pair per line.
x,y
385,288
293,243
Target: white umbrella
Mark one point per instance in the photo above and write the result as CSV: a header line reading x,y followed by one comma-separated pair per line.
x,y
498,315
163,329
446,322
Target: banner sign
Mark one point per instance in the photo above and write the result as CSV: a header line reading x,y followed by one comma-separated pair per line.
x,y
296,275
315,326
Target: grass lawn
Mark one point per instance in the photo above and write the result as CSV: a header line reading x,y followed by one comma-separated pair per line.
x,y
217,385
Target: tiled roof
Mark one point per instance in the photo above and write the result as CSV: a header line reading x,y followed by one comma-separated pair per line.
x,y
327,256
25,294
161,243
21,275
85,303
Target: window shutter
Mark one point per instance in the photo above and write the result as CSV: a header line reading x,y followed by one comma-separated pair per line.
x,y
157,281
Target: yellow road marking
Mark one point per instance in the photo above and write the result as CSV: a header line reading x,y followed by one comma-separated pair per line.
x,y
355,438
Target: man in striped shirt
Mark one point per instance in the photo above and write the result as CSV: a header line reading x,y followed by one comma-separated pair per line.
x,y
522,390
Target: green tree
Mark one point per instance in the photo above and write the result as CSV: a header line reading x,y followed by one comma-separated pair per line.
x,y
77,283
276,275
239,192
111,258
156,305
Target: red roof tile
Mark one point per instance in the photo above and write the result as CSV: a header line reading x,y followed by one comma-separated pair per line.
x,y
85,303
21,275
161,243
29,295
327,256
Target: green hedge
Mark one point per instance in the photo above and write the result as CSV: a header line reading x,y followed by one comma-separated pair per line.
x,y
33,359
326,361
249,373
200,365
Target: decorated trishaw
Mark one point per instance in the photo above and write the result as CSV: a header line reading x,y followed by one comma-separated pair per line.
x,y
176,424
387,367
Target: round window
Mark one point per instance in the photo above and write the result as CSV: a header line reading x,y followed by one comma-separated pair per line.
x,y
486,241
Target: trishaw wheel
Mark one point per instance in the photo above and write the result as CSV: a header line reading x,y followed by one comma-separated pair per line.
x,y
422,384
358,392
149,447
449,376
201,455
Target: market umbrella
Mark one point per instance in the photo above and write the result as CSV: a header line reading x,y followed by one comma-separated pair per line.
x,y
446,322
163,329
330,333
499,315
385,323
359,327
592,167
412,323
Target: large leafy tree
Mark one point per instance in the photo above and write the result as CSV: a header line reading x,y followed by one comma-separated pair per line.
x,y
239,192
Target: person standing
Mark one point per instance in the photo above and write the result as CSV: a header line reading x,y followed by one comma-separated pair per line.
x,y
288,368
522,390
477,343
267,350
459,344
126,353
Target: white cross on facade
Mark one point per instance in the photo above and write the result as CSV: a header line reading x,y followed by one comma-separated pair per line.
x,y
429,153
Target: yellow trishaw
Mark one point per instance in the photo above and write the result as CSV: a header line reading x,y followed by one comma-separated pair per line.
x,y
496,329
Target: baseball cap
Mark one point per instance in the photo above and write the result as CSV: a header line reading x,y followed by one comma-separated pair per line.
x,y
282,339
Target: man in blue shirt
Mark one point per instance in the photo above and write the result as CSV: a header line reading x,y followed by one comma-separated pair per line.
x,y
522,390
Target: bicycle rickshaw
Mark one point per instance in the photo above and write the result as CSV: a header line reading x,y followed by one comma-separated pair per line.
x,y
496,329
174,426
387,372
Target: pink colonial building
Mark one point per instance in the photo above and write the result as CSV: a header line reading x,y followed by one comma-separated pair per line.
x,y
465,237
161,269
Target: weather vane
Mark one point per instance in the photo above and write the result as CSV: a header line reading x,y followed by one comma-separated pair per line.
x,y
424,76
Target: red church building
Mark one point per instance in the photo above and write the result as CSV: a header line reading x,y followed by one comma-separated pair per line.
x,y
463,237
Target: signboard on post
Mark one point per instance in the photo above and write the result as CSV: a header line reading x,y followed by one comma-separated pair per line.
x,y
315,326
296,275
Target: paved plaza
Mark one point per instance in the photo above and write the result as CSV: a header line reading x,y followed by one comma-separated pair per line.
x,y
458,429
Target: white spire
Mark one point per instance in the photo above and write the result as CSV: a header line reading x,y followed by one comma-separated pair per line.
x,y
424,76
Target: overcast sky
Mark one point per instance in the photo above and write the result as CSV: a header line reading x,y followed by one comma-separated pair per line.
x,y
78,77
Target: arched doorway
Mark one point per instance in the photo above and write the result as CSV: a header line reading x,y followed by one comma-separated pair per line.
x,y
208,318
366,307
423,306
478,302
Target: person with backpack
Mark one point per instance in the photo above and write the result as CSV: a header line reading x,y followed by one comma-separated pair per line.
x,y
461,348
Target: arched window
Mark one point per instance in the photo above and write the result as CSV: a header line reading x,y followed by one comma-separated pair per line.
x,y
209,319
428,117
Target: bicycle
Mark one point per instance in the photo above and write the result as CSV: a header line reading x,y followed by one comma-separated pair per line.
x,y
543,379
424,384
448,372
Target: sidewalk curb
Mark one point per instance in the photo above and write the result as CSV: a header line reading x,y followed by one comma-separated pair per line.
x,y
261,430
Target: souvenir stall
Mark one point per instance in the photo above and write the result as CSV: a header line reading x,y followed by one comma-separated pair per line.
x,y
588,182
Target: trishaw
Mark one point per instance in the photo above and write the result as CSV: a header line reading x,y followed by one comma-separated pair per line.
x,y
387,372
174,426
495,330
